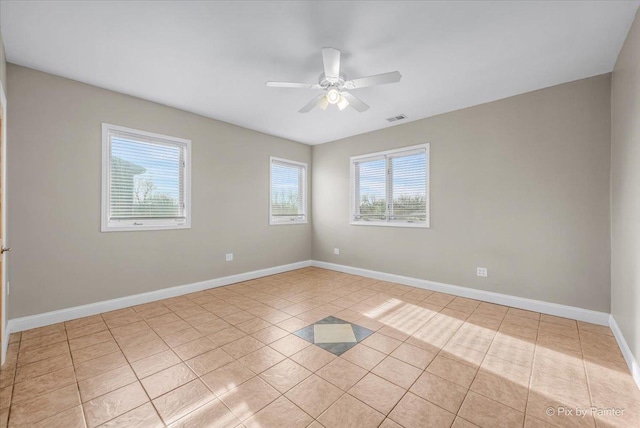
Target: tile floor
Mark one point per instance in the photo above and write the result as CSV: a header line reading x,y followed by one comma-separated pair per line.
x,y
227,357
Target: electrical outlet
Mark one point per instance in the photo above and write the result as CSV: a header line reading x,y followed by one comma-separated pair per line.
x,y
483,272
336,251
229,257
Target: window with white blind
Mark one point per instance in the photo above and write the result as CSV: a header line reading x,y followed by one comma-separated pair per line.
x,y
391,188
288,192
145,180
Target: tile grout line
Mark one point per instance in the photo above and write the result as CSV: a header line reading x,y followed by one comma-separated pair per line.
x,y
182,361
444,356
13,384
134,372
82,406
73,365
586,372
43,394
424,371
530,382
477,371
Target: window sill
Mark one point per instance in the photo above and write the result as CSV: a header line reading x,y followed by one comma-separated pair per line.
x,y
139,228
391,224
287,223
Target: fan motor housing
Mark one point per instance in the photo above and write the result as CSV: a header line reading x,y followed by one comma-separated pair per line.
x,y
327,82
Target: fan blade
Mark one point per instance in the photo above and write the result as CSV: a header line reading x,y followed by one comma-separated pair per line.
x,y
378,79
311,104
355,102
331,60
294,85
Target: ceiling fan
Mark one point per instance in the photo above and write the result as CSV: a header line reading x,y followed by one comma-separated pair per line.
x,y
335,85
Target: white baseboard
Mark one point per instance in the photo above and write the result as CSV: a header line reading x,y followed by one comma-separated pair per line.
x,y
634,368
47,318
34,321
564,311
601,318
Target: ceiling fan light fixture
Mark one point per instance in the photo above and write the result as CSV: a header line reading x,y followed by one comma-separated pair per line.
x,y
333,96
343,103
323,103
335,85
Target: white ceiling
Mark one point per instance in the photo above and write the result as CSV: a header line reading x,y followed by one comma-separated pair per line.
x,y
213,58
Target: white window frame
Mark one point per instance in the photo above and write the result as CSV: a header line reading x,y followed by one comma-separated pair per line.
x,y
388,191
108,225
305,194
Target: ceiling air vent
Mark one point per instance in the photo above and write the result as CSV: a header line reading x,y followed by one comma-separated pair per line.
x,y
396,118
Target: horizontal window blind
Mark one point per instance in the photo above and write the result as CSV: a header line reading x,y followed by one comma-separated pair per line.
x,y
371,196
288,185
391,187
146,180
408,189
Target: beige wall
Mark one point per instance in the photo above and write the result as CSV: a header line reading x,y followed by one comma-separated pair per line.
x,y
520,186
61,259
3,65
625,190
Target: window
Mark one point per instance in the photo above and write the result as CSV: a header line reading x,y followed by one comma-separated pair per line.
x,y
145,180
288,195
391,188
